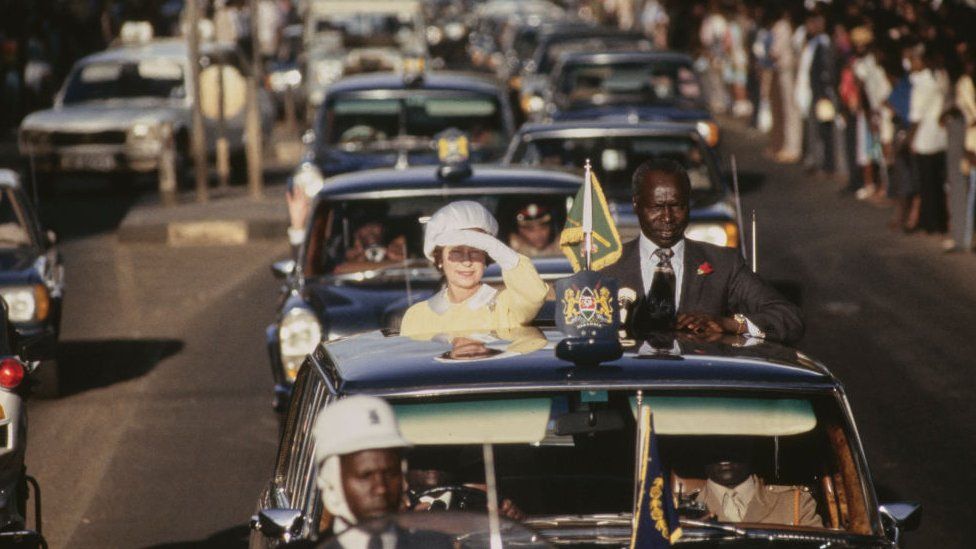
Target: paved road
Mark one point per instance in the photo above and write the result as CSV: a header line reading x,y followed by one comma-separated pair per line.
x,y
166,435
894,318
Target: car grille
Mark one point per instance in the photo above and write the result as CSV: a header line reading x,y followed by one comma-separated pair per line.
x,y
112,137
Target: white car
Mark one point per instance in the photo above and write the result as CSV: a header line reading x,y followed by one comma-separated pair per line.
x,y
120,108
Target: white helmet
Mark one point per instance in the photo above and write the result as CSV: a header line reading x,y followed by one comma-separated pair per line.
x,y
344,427
463,214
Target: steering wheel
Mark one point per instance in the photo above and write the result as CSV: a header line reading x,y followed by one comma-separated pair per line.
x,y
454,497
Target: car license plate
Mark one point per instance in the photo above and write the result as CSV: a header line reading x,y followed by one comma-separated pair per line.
x,y
88,162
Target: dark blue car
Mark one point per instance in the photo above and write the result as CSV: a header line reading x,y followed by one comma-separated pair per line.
x,y
362,264
635,85
382,120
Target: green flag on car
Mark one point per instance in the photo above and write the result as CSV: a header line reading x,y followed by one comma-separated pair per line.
x,y
589,222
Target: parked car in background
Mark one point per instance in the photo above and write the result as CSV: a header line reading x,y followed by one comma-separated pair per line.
x,y
119,109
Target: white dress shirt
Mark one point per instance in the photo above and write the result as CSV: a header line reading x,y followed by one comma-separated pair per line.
x,y
649,262
926,108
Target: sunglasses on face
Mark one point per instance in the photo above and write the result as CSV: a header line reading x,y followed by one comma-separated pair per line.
x,y
461,255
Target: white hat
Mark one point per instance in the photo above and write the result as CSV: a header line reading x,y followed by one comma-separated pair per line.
x,y
350,425
463,214
354,424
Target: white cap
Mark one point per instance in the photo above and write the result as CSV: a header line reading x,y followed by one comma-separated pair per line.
x,y
355,424
463,214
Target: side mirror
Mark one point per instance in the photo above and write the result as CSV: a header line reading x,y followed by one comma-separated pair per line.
x,y
283,524
283,269
904,516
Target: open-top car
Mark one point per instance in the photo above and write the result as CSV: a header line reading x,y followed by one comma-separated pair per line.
x,y
564,433
615,148
362,262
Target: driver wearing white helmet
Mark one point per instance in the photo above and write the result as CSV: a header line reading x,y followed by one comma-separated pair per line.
x,y
360,473
460,239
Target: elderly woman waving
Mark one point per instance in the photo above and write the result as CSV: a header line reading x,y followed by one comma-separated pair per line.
x,y
460,240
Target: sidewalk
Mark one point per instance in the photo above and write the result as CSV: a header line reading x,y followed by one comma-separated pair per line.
x,y
230,217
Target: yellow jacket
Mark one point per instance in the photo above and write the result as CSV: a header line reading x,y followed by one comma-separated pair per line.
x,y
488,309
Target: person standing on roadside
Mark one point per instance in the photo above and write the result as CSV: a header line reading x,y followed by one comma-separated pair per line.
x,y
928,141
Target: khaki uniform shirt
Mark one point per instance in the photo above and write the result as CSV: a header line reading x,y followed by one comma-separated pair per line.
x,y
770,504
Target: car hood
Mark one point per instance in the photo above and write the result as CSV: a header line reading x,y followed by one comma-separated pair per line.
x,y
16,265
102,115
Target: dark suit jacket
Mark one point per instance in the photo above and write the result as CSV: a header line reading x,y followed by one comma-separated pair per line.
x,y
823,72
729,289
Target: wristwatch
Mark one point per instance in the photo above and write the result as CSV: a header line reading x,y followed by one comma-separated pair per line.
x,y
741,319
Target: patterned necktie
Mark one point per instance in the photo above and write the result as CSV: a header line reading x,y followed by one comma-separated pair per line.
x,y
660,298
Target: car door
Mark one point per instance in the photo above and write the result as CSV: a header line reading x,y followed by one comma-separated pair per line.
x,y
292,487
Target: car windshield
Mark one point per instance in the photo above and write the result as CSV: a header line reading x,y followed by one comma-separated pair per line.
x,y
373,240
551,50
614,157
664,82
152,78
441,530
368,30
14,229
358,122
568,457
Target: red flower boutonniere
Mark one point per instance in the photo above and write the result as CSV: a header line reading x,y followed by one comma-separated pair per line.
x,y
705,269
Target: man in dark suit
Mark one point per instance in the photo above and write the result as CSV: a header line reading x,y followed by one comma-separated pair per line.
x,y
688,285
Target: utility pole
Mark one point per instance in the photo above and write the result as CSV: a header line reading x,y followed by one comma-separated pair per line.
x,y
198,133
255,169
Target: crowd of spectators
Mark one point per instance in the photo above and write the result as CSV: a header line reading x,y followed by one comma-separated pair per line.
x,y
877,95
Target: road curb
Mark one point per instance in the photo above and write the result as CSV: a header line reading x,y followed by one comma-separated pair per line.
x,y
221,232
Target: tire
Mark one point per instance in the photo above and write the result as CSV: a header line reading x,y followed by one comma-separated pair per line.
x,y
46,380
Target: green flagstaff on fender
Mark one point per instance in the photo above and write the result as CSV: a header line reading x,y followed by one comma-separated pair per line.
x,y
589,220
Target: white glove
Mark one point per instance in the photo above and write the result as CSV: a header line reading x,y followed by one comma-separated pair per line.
x,y
506,257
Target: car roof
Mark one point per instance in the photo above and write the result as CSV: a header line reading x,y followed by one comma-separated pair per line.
x,y
385,363
426,178
166,47
683,129
440,80
623,56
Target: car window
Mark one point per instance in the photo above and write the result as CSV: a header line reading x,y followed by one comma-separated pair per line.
x,y
615,157
369,30
356,123
577,457
386,234
151,78
644,82
550,52
15,231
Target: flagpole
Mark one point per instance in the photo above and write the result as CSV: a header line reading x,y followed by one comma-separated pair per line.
x,y
587,212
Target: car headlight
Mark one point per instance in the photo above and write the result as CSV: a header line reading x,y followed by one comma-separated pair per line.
x,y
309,179
146,134
434,35
454,31
328,71
298,333
281,81
709,131
719,234
532,103
26,303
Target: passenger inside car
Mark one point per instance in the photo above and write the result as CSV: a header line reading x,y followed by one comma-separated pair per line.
x,y
371,246
533,234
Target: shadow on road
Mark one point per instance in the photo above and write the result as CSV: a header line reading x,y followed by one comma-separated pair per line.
x,y
234,537
87,210
90,364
